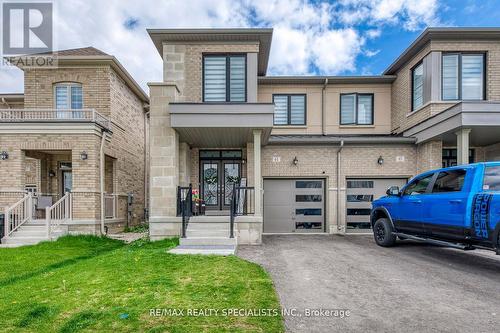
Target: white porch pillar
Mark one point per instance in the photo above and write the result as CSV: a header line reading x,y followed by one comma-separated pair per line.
x,y
462,145
257,172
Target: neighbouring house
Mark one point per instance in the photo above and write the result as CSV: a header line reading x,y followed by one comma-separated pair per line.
x,y
74,142
307,154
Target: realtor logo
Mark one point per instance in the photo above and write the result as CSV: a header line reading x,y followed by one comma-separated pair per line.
x,y
27,28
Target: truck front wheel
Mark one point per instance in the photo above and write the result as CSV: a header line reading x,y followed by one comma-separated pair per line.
x,y
382,232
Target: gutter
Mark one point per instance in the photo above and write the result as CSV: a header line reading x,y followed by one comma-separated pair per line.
x,y
323,107
339,162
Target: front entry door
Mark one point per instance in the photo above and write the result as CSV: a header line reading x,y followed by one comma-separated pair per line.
x,y
218,179
67,181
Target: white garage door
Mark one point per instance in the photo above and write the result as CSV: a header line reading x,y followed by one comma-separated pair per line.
x,y
360,194
294,205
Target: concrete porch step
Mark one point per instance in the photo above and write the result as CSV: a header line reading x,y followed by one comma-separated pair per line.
x,y
207,226
205,218
23,240
220,250
207,233
208,241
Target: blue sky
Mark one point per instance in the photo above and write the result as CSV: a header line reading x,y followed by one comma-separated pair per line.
x,y
344,37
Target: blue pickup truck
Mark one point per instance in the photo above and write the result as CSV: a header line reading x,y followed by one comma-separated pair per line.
x,y
457,207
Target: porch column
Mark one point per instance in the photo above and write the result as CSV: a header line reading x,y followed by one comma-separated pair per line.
x,y
462,145
257,172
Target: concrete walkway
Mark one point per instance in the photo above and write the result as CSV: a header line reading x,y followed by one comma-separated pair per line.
x,y
409,288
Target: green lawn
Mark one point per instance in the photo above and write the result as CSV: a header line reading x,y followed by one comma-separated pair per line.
x,y
89,284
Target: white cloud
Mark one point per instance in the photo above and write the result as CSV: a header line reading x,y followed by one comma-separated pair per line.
x,y
308,35
336,50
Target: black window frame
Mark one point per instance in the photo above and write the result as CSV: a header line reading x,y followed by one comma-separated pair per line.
x,y
289,109
460,54
228,76
356,122
412,85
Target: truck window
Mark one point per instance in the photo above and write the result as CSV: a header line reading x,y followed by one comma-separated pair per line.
x,y
449,181
418,186
491,181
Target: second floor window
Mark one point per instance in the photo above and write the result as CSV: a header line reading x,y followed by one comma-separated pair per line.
x,y
224,78
463,76
417,77
289,109
356,109
68,96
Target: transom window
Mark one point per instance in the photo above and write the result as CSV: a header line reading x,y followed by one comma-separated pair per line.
x,y
289,109
356,109
417,77
68,96
224,78
463,76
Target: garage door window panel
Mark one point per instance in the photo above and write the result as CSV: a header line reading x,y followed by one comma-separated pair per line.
x,y
308,198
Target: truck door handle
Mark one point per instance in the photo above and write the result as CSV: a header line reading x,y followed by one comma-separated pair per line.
x,y
416,201
457,201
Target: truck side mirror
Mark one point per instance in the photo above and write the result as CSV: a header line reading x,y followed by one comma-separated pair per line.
x,y
393,191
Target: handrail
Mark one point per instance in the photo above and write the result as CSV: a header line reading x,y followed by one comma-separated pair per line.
x,y
242,203
185,204
58,213
54,115
18,214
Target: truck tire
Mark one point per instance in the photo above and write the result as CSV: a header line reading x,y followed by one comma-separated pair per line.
x,y
382,232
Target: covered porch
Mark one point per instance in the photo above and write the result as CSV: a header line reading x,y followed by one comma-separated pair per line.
x,y
218,174
468,132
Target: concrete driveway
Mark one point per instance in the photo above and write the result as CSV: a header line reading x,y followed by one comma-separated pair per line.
x,y
409,288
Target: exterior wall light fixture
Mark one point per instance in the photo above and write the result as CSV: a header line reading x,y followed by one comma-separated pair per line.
x,y
380,160
4,155
84,156
295,161
52,173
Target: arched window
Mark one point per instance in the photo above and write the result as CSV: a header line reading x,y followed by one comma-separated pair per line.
x,y
68,96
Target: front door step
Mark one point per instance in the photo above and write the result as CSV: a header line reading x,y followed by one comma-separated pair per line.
x,y
218,250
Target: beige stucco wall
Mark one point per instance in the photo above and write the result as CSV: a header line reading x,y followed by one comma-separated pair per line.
x,y
403,119
382,108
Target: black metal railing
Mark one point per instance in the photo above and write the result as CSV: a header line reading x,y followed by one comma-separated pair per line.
x,y
184,206
242,203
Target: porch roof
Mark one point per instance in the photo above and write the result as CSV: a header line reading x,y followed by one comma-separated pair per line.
x,y
482,117
221,125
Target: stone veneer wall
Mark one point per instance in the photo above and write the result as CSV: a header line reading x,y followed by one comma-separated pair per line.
x,y
402,119
182,64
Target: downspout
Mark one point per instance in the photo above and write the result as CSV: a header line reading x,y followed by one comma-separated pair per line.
x,y
339,162
101,176
323,108
146,159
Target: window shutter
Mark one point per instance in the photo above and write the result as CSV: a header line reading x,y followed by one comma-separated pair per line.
x,y
237,78
365,107
297,110
472,76
347,109
280,110
215,79
450,77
